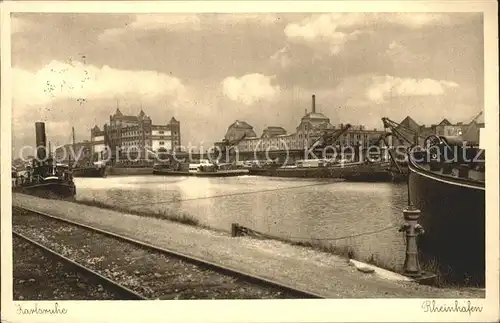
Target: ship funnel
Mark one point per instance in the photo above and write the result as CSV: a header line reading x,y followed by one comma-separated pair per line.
x,y
313,103
41,141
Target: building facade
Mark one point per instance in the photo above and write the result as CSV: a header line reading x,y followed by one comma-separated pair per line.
x,y
312,126
136,135
468,131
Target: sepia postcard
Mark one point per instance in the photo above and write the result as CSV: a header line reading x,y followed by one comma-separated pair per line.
x,y
249,161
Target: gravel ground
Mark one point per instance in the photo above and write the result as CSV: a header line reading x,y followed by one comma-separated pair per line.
x,y
149,273
303,267
37,276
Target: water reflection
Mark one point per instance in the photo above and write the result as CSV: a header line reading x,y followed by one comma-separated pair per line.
x,y
297,209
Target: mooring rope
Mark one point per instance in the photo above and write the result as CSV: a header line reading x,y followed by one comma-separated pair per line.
x,y
229,195
252,232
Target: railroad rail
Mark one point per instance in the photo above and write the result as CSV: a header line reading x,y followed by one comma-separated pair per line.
x,y
218,268
127,293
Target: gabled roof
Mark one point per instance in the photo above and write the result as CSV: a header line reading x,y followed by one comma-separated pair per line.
x,y
445,122
118,113
408,122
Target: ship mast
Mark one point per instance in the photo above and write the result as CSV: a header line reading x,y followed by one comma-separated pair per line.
x,y
72,150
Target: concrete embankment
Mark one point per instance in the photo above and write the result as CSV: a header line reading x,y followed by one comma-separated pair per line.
x,y
304,268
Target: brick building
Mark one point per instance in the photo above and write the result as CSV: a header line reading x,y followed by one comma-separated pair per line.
x,y
136,135
312,125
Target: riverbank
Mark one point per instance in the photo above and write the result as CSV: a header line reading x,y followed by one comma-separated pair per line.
x,y
324,273
344,251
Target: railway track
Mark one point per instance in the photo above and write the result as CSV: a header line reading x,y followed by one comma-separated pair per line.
x,y
205,279
124,292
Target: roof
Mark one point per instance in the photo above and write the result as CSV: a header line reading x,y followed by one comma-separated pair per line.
x,y
445,122
408,122
240,124
275,128
315,115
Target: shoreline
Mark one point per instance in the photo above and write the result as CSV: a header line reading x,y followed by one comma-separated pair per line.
x,y
346,252
324,273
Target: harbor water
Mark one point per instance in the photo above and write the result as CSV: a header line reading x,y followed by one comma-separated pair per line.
x,y
362,216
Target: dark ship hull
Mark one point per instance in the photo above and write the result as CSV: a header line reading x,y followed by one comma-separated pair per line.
x,y
90,172
453,217
44,178
361,172
51,189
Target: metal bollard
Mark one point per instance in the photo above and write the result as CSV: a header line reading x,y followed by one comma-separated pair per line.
x,y
235,228
413,229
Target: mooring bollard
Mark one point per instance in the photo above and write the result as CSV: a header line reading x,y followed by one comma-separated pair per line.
x,y
235,228
413,229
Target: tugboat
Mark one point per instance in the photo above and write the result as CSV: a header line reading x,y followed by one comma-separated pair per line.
x,y
44,178
447,184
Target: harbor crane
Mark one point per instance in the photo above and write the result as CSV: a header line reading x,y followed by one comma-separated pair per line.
x,y
228,146
329,137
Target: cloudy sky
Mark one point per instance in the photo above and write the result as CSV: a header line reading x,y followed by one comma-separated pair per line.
x,y
208,70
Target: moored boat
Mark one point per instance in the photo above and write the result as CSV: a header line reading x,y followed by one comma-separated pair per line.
x,y
203,168
97,169
450,193
88,169
45,178
352,171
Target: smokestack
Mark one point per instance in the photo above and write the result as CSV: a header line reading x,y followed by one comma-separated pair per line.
x,y
41,141
314,103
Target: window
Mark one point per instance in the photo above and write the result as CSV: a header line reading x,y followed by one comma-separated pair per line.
x,y
161,132
162,143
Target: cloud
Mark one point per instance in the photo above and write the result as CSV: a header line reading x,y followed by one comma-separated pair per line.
x,y
249,88
148,22
260,18
282,57
413,20
58,80
322,29
335,30
387,86
189,22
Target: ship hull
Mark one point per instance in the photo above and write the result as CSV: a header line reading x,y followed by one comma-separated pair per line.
x,y
453,217
50,190
90,172
224,173
351,173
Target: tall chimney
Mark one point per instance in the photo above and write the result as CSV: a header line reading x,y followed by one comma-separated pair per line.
x,y
314,103
41,141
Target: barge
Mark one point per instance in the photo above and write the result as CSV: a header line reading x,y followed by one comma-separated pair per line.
x,y
359,171
450,193
97,169
203,168
44,178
